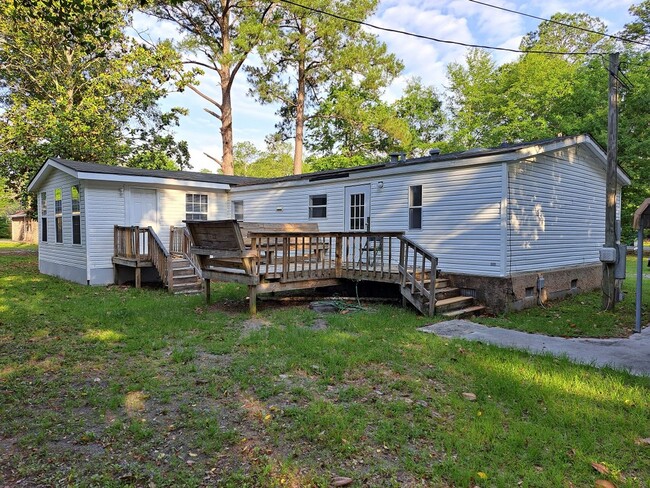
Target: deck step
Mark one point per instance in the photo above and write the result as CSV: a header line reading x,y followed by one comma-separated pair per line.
x,y
448,304
187,288
446,292
186,278
465,312
187,271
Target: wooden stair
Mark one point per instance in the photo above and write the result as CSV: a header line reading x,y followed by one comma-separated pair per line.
x,y
186,280
450,303
448,300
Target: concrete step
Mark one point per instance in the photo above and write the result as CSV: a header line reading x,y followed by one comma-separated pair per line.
x,y
465,312
453,303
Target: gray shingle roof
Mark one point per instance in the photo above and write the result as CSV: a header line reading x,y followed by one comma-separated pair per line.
x,y
155,173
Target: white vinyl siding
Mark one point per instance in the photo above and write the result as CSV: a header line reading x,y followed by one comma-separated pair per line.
x,y
172,205
110,207
461,211
556,212
64,253
105,207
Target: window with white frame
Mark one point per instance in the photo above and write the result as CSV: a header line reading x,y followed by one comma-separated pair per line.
x,y
238,209
76,214
43,216
58,214
317,206
415,207
196,206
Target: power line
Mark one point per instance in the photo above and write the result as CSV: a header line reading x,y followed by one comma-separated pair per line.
x,y
435,39
591,31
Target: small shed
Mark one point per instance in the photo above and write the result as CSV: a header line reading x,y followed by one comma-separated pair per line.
x,y
23,228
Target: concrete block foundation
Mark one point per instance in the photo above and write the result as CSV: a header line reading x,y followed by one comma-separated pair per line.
x,y
525,290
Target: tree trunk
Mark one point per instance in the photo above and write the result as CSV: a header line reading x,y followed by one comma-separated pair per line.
x,y
227,166
300,107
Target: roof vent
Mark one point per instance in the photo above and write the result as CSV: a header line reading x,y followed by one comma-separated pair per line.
x,y
434,152
397,157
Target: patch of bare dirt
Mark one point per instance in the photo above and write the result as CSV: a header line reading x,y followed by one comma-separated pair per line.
x,y
252,325
18,252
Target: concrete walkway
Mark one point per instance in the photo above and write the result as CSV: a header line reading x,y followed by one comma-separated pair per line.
x,y
631,354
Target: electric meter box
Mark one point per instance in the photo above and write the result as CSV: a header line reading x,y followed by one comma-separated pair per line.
x,y
608,255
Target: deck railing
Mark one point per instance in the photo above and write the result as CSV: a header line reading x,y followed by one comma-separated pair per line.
x,y
297,256
418,274
131,243
142,245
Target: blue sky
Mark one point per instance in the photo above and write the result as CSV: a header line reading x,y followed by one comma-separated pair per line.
x,y
458,20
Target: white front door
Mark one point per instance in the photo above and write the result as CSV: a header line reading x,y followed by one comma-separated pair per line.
x,y
357,208
144,208
143,213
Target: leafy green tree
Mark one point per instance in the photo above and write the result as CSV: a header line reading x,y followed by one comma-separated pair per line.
x,y
219,35
60,98
354,122
274,162
309,57
420,107
639,28
335,161
569,33
474,100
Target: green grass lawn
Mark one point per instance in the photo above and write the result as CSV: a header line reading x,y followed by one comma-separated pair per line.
x,y
122,387
8,245
582,315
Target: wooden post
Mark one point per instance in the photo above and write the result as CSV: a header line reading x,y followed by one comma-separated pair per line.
x,y
138,276
207,291
609,282
170,273
338,256
252,299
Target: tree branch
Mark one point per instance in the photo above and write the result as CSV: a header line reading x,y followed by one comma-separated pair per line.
x,y
214,114
213,158
204,96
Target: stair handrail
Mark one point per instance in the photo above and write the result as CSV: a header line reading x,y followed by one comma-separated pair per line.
x,y
161,259
192,258
417,281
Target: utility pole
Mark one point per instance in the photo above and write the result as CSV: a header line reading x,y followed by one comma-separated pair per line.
x,y
609,282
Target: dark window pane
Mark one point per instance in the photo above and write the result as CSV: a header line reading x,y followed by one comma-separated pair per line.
x,y
44,230
317,200
415,218
318,213
416,196
76,229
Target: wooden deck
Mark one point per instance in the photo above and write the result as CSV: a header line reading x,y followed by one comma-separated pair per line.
x,y
278,261
271,257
